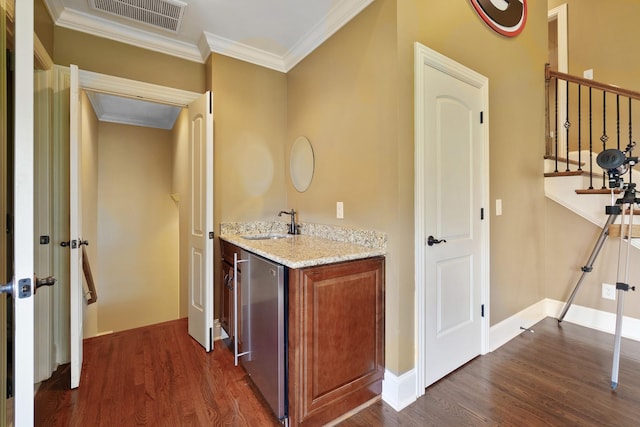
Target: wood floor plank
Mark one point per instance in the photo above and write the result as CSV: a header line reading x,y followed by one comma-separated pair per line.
x,y
159,376
156,376
558,376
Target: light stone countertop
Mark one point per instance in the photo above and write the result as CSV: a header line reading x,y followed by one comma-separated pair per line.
x,y
302,250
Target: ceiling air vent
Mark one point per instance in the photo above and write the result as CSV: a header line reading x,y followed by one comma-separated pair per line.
x,y
165,14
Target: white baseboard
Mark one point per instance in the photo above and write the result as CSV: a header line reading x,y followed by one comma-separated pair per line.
x,y
399,391
595,319
603,321
503,332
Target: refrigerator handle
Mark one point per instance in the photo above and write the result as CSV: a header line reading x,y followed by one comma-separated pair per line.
x,y
236,262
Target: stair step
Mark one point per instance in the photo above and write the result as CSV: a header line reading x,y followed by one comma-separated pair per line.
x,y
597,191
565,173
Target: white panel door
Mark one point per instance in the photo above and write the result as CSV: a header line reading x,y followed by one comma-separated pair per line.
x,y
75,228
453,161
201,221
23,279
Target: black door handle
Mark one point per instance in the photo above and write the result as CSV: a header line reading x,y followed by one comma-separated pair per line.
x,y
433,241
47,281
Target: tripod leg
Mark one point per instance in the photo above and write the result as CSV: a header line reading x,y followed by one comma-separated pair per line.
x,y
616,347
589,266
621,287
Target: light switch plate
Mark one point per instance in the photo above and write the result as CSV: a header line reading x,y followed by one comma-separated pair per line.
x,y
608,291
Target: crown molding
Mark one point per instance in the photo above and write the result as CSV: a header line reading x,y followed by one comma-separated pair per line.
x,y
337,17
100,27
214,43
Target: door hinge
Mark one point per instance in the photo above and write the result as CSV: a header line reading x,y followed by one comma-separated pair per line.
x,y
482,310
211,235
481,117
210,103
481,213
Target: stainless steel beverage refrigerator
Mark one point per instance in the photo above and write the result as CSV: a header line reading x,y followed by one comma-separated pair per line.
x,y
264,309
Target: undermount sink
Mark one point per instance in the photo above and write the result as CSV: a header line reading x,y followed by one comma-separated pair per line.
x,y
267,236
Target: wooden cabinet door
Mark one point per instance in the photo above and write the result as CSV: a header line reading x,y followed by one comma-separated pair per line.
x,y
336,339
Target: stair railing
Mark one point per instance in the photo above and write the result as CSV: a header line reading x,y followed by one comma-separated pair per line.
x,y
589,121
91,295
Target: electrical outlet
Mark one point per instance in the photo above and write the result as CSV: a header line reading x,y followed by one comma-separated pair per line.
x,y
608,291
339,210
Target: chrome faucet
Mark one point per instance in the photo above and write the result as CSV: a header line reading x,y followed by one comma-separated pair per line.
x,y
293,228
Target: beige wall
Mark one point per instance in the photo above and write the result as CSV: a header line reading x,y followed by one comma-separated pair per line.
x,y
515,68
138,243
249,113
344,97
602,37
353,98
43,25
570,240
104,56
89,197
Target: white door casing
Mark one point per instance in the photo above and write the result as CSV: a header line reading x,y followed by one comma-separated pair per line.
x,y
23,218
201,221
43,303
451,191
75,227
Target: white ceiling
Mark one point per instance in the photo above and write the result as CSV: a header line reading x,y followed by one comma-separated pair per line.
x,y
130,111
272,33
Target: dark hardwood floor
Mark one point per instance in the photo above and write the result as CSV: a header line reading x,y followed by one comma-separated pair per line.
x,y
557,376
155,376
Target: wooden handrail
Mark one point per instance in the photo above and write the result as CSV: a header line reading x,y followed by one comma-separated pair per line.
x,y
93,295
591,83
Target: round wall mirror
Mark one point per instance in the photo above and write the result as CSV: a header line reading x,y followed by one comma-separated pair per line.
x,y
301,163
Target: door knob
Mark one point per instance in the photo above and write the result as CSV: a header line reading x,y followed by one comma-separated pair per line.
x,y
84,242
47,281
433,241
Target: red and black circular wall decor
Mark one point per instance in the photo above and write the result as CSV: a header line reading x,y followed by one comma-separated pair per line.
x,y
508,21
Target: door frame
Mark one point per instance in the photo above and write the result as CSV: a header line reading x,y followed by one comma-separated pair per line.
x,y
102,83
23,219
426,56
